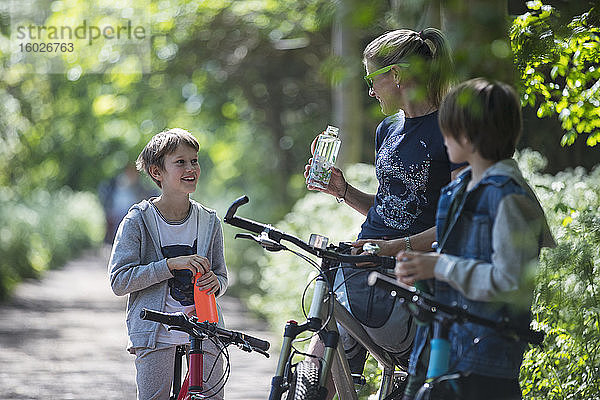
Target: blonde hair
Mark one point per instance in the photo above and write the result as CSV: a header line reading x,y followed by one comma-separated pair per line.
x,y
427,48
160,145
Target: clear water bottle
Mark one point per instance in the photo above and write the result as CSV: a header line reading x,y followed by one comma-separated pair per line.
x,y
324,156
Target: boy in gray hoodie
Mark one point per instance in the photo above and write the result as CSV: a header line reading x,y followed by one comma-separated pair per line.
x,y
490,228
161,244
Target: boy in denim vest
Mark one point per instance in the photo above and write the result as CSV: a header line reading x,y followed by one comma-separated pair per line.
x,y
490,228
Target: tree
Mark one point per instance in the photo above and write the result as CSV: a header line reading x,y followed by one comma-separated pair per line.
x,y
557,48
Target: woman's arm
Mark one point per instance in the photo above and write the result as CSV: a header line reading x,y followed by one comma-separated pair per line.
x,y
341,189
419,242
358,199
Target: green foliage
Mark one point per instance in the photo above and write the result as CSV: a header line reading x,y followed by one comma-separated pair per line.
x,y
557,53
250,79
44,231
239,76
242,76
567,296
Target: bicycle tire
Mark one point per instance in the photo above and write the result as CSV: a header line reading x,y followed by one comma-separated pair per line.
x,y
305,382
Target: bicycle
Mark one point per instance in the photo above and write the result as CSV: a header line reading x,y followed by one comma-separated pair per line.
x,y
441,316
306,380
193,385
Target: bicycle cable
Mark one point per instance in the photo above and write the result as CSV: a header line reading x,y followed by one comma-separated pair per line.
x,y
220,384
322,274
329,306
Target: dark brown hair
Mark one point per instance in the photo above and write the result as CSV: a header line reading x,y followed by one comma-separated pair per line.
x,y
487,112
427,51
160,145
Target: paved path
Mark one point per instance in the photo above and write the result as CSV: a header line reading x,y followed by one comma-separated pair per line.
x,y
64,338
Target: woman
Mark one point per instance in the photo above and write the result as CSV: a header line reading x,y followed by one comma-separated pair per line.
x,y
408,72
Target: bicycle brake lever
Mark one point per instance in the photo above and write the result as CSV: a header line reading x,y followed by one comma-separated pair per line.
x,y
246,236
177,328
264,353
249,349
264,240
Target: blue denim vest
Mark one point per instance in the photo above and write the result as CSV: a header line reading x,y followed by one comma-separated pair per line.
x,y
468,233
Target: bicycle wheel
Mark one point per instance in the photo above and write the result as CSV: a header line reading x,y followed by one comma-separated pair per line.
x,y
305,382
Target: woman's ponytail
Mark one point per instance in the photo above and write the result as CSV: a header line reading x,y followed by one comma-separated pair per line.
x,y
442,65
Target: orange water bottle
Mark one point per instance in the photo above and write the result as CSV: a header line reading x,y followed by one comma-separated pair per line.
x,y
206,304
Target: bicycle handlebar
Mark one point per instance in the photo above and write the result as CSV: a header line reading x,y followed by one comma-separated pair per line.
x,y
432,307
182,321
278,236
257,227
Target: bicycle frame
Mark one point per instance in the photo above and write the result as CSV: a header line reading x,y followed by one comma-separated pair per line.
x,y
333,360
193,383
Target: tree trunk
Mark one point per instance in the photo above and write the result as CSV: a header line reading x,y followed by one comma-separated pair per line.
x,y
347,107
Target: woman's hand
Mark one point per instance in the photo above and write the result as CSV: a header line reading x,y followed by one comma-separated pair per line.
x,y
209,282
194,263
337,182
413,266
386,247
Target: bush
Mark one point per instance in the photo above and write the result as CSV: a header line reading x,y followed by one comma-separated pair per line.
x,y
567,292
567,295
43,231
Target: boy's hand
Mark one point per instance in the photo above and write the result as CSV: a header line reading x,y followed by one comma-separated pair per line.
x,y
209,282
414,266
194,263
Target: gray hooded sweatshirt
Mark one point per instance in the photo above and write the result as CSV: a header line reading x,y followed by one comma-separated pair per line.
x,y
137,267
